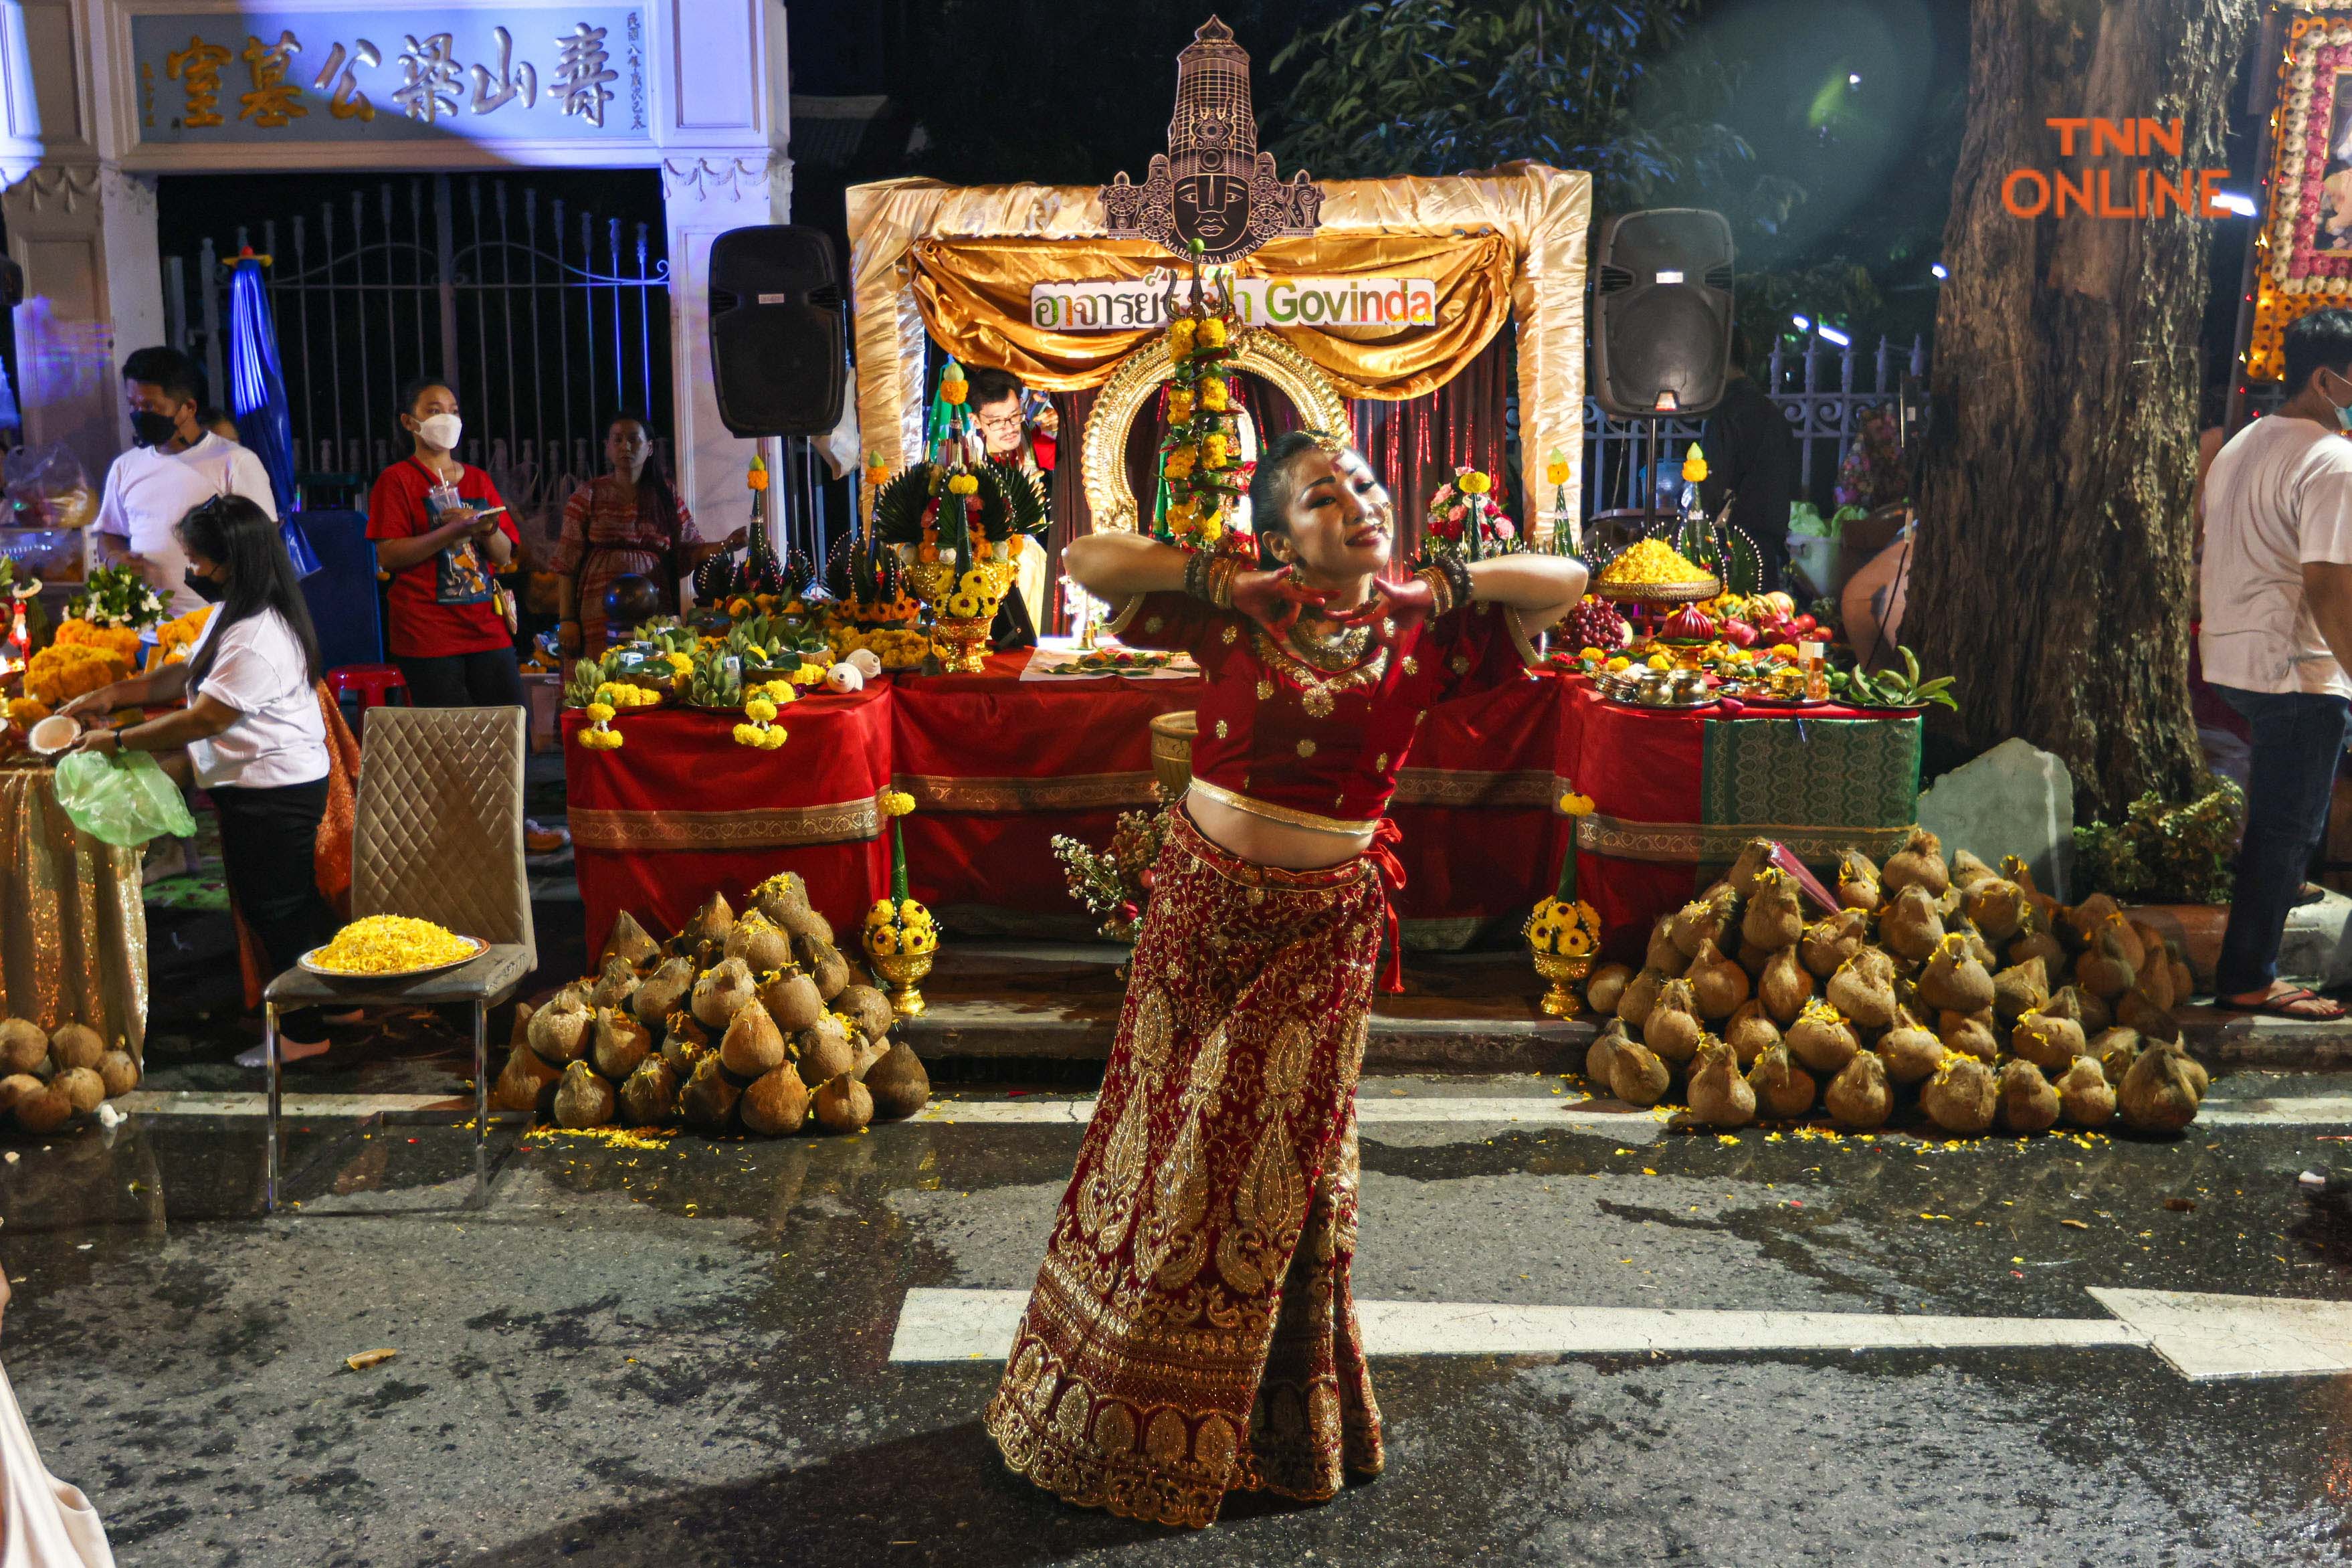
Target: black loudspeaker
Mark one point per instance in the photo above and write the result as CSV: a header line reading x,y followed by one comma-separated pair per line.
x,y
778,345
1662,312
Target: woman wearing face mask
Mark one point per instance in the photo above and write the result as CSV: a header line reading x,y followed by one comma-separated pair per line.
x,y
1191,1331
254,736
448,633
629,521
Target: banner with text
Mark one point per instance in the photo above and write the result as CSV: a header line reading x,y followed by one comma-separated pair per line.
x,y
521,72
1257,302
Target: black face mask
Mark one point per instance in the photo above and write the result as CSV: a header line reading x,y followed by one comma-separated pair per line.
x,y
150,429
210,589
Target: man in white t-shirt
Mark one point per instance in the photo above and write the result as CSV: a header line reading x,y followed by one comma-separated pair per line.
x,y
2277,640
177,465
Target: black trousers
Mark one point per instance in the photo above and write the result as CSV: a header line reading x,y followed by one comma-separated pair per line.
x,y
270,839
490,679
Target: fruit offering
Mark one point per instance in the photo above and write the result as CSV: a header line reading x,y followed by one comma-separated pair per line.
x,y
1595,624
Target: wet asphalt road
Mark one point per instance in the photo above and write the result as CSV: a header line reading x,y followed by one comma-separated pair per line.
x,y
679,1354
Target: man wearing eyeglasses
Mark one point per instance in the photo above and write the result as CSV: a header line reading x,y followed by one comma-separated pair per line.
x,y
1021,432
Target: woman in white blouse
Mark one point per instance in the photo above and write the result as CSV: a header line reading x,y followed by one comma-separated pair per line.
x,y
252,727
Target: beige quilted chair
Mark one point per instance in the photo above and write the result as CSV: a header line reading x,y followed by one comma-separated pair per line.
x,y
437,837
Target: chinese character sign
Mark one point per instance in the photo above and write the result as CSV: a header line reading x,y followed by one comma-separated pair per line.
x,y
522,72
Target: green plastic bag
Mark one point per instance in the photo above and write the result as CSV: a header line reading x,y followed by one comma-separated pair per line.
x,y
124,799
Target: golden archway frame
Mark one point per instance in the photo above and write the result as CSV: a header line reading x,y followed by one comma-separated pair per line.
x,y
1102,452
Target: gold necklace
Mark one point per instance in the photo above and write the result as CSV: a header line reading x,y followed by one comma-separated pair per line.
x,y
1317,693
1332,652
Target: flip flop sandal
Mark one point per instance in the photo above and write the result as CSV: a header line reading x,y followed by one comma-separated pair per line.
x,y
2282,1006
2309,893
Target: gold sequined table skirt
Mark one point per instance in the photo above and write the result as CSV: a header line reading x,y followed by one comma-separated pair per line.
x,y
73,928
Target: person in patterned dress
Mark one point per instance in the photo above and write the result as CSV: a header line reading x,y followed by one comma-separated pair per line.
x,y
1192,1331
628,520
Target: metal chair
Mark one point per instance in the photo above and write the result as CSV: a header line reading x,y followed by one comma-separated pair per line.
x,y
438,836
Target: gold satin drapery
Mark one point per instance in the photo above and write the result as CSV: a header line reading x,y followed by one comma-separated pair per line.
x,y
974,297
73,921
925,256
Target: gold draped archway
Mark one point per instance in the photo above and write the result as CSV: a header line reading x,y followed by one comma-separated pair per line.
x,y
956,264
1102,456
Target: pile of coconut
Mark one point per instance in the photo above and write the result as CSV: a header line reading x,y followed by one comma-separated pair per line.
x,y
1949,993
49,1077
750,1024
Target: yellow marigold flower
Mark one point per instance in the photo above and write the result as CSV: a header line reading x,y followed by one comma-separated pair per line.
x,y
910,911
896,803
760,711
1593,653
1474,483
808,675
747,735
973,581
1180,335
1620,662
1574,805
1180,407
739,607
1659,661
1213,333
773,737
681,664
1556,473
599,712
963,484
1212,394
882,941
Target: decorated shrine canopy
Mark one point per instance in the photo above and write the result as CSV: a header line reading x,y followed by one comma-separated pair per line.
x,y
979,268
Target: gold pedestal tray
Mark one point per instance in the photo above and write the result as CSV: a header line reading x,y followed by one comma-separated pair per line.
x,y
961,644
905,972
1563,972
1657,593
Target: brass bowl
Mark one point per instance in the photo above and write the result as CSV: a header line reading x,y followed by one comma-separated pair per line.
x,y
905,972
1563,972
931,581
1173,735
1657,593
961,644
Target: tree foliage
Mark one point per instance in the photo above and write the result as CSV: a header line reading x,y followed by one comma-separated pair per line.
x,y
1435,87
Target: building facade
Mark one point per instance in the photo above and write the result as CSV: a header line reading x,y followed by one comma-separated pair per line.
x,y
99,98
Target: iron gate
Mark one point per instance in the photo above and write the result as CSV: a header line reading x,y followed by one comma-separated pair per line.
x,y
546,319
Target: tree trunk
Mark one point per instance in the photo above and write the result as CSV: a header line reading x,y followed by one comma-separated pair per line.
x,y
2053,577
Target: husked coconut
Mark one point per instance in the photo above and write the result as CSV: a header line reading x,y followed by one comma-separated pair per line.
x,y
898,1083
824,1051
1636,1076
82,1087
560,1031
649,1095
708,1098
15,1087
76,1046
791,999
1858,1098
1661,955
1918,864
870,1010
1910,1052
1970,1033
722,993
762,945
1909,927
1719,1096
753,1046
120,1069
1829,942
1968,871
1785,987
1784,1090
684,1044
621,1043
808,923
1955,979
2018,990
1673,1028
1750,1032
628,941
663,992
1822,1040
1754,858
2157,1094
782,898
1640,995
2028,1103
42,1110
825,964
527,1082
1864,990
711,922
2085,1099
1602,1054
1858,881
843,1105
1704,919
614,985
1960,1095
1601,991
1717,984
583,1100
776,1103
24,1045
1774,918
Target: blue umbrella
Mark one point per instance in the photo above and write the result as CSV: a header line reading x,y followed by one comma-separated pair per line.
x,y
257,398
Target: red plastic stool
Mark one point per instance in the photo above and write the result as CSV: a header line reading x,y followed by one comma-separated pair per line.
x,y
372,684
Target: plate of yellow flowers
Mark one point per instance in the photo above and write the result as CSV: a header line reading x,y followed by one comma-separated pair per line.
x,y
390,947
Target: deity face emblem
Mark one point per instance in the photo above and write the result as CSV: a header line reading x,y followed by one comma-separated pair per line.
x,y
1214,209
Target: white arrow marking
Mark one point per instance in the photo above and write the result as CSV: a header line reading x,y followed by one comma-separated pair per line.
x,y
2201,1336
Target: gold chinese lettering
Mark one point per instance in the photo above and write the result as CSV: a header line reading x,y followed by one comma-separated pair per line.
x,y
348,102
198,68
272,102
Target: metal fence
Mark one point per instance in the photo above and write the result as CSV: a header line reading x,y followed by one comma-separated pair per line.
x,y
1814,387
545,319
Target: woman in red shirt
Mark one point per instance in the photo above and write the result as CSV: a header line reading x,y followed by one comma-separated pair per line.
x,y
1191,1331
449,633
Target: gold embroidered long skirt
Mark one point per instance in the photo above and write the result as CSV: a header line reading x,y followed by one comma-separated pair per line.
x,y
1191,1331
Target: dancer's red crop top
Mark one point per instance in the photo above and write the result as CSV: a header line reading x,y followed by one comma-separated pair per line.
x,y
1283,739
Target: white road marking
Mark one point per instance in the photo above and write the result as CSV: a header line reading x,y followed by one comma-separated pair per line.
x,y
2201,1336
311,1107
1582,1115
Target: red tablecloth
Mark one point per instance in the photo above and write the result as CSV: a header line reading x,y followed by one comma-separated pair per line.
x,y
679,810
998,766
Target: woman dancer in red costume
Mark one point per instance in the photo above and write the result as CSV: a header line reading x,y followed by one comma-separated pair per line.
x,y
1192,1331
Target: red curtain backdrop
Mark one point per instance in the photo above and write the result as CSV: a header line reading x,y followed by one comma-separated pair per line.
x,y
1415,446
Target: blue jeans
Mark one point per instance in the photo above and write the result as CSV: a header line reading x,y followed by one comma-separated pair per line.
x,y
2298,740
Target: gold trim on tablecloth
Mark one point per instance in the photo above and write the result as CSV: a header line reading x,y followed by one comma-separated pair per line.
x,y
1460,787
1073,792
1691,842
772,827
73,941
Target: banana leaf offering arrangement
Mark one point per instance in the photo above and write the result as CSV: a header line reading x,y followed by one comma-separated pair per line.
x,y
1942,992
754,1024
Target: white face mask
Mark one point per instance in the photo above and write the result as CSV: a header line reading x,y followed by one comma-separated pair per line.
x,y
441,430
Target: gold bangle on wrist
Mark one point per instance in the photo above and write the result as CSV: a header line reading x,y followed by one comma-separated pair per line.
x,y
1440,590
